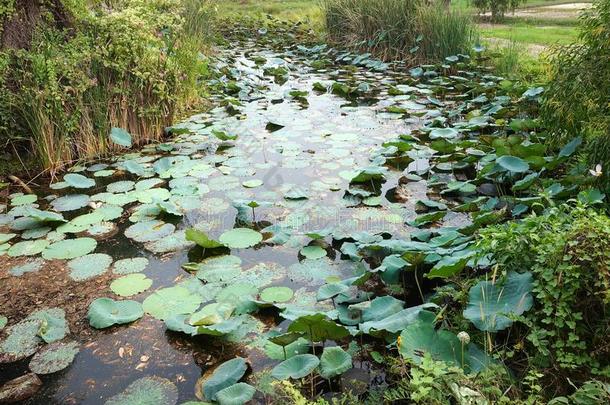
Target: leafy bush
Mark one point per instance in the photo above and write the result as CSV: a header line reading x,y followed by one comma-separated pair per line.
x,y
497,8
568,252
414,30
577,101
132,64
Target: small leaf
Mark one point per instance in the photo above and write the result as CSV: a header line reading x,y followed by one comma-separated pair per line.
x,y
120,137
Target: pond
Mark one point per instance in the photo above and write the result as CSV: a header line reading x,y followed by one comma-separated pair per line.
x,y
303,168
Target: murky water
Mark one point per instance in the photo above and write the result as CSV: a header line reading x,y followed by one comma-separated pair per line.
x,y
308,145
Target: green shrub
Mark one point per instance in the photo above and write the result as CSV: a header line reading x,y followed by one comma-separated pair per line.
x,y
568,252
413,30
497,8
577,101
133,64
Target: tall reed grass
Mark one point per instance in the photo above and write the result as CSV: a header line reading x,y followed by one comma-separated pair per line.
x,y
413,30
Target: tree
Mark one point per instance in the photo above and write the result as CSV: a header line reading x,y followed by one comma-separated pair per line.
x,y
497,7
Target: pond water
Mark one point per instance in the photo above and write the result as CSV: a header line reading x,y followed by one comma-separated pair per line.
x,y
276,141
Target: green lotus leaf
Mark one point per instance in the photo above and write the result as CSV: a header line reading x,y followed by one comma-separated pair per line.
x,y
237,394
276,294
54,357
212,313
328,291
3,321
225,375
513,164
78,181
318,327
129,266
287,338
240,238
122,186
89,266
200,238
491,304
222,328
148,231
169,302
179,323
28,248
252,183
295,367
382,308
240,295
334,361
131,284
21,341
448,266
105,312
147,391
120,137
24,199
69,248
217,269
443,133
53,326
395,322
70,202
313,252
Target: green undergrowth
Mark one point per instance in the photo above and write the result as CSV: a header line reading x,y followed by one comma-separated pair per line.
x,y
131,64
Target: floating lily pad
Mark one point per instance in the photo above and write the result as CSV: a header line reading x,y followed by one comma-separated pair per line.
x,y
147,231
70,202
240,238
130,284
225,375
169,302
24,199
120,186
89,266
219,269
21,341
252,183
513,164
28,248
129,266
276,294
78,181
69,248
313,252
53,358
295,367
147,391
105,312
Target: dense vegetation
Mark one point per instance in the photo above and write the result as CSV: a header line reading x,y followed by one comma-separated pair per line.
x,y
488,283
131,64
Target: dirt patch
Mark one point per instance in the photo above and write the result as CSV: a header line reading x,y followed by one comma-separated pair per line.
x,y
50,287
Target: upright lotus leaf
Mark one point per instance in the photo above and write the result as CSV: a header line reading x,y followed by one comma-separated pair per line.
x,y
382,308
220,329
287,338
21,341
240,238
131,284
513,164
147,391
179,323
78,181
225,375
200,238
396,322
276,294
212,313
334,361
318,327
54,357
89,266
448,266
105,312
70,202
120,137
492,303
240,295
69,248
328,291
53,326
168,302
295,367
237,394
391,268
421,338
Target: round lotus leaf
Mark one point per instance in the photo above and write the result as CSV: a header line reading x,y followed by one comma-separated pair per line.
x,y
69,248
78,181
147,231
35,233
28,248
104,173
105,312
213,313
252,183
129,266
443,133
237,394
169,302
225,375
70,202
130,284
24,199
147,391
97,167
120,186
170,243
154,194
54,357
334,361
295,367
313,252
53,325
5,237
240,238
21,341
240,295
223,183
276,294
89,266
219,269
513,164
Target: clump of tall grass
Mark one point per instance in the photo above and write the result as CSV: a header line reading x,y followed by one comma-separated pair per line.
x,y
413,30
133,64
